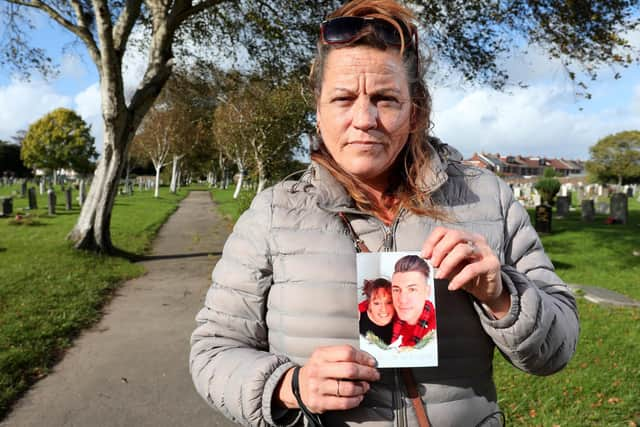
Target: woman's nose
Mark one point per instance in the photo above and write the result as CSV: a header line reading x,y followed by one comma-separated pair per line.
x,y
365,115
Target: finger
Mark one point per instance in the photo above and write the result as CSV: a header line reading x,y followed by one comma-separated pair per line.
x,y
447,245
466,275
343,353
344,388
432,241
454,261
348,370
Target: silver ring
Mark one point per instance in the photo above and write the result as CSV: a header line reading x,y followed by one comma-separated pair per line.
x,y
472,246
338,388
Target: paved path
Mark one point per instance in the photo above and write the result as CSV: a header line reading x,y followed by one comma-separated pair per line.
x,y
604,296
131,369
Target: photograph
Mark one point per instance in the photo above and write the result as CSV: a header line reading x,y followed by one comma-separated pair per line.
x,y
397,309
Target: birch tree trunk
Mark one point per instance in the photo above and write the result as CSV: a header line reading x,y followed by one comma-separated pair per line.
x,y
156,191
175,173
240,178
262,178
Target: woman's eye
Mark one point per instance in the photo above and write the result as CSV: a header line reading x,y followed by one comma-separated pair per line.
x,y
341,99
385,100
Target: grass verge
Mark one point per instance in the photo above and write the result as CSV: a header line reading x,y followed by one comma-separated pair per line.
x,y
49,292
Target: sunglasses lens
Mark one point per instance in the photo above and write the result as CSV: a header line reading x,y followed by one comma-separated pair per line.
x,y
347,28
387,32
342,30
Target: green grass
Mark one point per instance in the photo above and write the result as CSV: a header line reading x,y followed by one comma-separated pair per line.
x,y
596,253
600,386
49,291
227,206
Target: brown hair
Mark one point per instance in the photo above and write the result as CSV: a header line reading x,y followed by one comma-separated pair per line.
x,y
370,286
413,160
412,263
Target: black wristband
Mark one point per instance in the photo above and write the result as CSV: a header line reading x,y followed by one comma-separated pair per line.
x,y
314,419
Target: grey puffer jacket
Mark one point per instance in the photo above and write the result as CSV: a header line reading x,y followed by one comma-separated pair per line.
x,y
286,284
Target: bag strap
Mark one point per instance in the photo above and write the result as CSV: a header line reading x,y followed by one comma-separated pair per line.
x,y
407,373
412,392
313,419
357,241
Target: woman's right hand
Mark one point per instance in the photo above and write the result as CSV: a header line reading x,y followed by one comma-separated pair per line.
x,y
334,378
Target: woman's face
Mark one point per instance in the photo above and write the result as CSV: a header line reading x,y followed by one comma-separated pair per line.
x,y
364,110
381,307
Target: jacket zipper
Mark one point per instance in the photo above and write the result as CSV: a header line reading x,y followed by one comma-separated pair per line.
x,y
389,244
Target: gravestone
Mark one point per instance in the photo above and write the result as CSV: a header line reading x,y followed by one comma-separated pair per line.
x,y
23,189
629,191
562,206
543,219
620,208
602,208
51,199
41,187
6,206
537,200
67,199
517,192
81,193
588,210
33,200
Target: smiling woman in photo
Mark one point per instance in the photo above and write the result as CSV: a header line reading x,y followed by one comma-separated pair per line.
x,y
376,312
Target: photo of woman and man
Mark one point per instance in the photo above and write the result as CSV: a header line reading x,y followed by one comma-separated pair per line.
x,y
397,315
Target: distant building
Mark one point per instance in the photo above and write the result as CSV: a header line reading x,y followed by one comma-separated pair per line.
x,y
524,166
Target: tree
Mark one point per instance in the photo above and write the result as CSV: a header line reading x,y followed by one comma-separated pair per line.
x,y
259,126
59,140
154,141
10,162
277,34
548,186
616,158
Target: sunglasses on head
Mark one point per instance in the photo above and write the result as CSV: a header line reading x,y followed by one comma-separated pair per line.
x,y
347,28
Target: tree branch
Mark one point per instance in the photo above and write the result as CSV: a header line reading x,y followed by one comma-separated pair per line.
x,y
125,23
185,9
80,30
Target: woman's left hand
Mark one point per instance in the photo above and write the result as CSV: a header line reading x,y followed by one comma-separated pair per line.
x,y
469,263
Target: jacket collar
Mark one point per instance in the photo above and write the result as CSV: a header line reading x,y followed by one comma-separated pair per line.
x,y
333,196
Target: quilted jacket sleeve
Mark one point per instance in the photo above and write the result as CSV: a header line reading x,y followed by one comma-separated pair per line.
x,y
229,361
540,332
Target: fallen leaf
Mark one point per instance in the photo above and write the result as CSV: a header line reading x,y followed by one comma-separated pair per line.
x,y
614,400
532,413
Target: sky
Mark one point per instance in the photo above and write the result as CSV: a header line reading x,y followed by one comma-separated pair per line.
x,y
545,119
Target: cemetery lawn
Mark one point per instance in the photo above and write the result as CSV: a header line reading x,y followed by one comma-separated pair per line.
x,y
596,253
227,206
49,291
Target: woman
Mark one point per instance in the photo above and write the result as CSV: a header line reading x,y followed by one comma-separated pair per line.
x,y
278,330
376,312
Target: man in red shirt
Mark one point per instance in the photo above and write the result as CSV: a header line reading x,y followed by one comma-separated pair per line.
x,y
416,315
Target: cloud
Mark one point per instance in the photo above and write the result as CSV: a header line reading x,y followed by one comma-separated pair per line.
x,y
540,120
72,67
88,105
25,102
